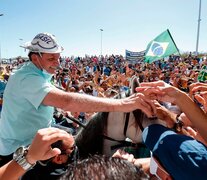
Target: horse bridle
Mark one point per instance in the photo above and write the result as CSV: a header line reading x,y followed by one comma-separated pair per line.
x,y
135,112
124,143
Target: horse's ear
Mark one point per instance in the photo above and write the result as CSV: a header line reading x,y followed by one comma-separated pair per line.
x,y
134,83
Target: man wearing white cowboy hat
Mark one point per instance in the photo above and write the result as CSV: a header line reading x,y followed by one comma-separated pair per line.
x,y
29,98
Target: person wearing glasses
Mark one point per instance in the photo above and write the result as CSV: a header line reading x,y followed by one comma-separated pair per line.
x,y
40,149
56,166
30,98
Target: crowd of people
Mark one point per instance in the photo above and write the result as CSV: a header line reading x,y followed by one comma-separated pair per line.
x,y
171,89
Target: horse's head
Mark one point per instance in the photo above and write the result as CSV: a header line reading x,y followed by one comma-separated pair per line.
x,y
126,125
113,125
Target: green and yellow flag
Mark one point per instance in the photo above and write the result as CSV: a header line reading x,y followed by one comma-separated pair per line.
x,y
160,47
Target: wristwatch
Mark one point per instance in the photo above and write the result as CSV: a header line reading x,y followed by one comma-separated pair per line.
x,y
20,157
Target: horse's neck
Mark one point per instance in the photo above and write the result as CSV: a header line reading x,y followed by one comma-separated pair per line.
x,y
115,125
114,130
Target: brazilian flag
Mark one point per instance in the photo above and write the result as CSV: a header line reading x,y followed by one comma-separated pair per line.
x,y
162,46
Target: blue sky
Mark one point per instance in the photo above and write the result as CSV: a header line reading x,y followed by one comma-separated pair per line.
x,y
126,24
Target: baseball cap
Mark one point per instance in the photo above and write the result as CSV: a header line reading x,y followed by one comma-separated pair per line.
x,y
182,156
43,43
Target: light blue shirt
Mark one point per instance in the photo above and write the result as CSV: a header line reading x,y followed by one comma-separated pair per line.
x,y
22,112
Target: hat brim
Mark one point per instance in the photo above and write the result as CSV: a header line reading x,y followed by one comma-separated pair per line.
x,y
31,48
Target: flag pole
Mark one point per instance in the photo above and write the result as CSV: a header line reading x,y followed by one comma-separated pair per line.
x,y
198,30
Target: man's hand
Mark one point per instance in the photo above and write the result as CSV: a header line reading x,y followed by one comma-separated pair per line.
x,y
40,149
202,99
197,87
143,163
138,101
124,155
160,91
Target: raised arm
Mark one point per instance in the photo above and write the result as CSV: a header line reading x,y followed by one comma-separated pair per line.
x,y
79,102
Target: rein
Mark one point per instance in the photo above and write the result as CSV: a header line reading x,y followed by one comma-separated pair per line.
x,y
123,143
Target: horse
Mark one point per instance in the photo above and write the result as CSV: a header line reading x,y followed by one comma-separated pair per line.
x,y
107,131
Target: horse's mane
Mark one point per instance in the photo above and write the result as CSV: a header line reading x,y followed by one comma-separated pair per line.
x,y
89,140
138,114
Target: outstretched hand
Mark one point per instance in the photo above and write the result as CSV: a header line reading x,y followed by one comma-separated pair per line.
x,y
159,90
202,99
197,87
139,101
199,92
